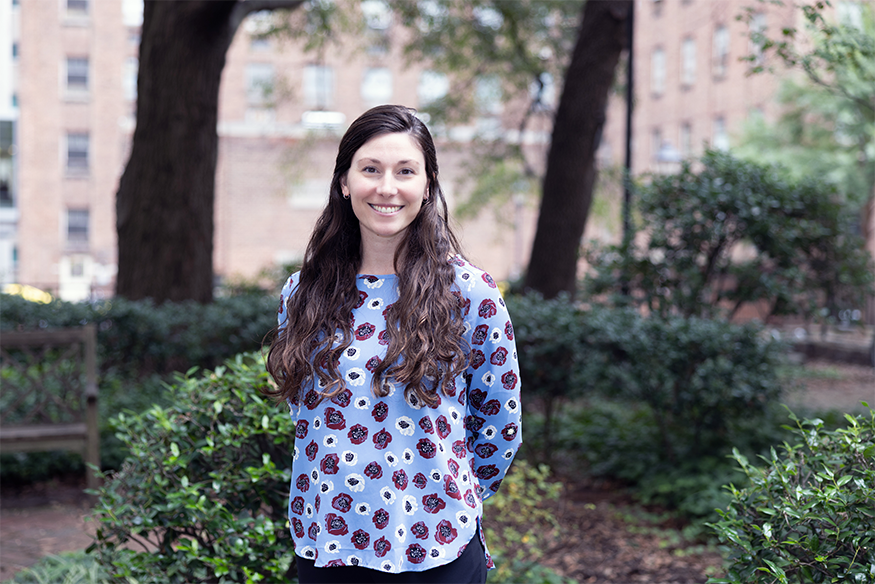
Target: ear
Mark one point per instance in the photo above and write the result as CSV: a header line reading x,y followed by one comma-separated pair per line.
x,y
344,188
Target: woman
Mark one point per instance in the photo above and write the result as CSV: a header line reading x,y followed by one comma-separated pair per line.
x,y
398,361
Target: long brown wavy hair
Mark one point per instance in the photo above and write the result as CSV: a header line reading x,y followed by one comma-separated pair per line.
x,y
424,326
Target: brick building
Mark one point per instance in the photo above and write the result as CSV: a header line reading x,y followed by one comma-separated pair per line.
x,y
691,89
281,114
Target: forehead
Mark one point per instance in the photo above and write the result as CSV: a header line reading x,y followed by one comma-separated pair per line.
x,y
391,147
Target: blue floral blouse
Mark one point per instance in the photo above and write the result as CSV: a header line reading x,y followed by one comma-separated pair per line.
x,y
395,485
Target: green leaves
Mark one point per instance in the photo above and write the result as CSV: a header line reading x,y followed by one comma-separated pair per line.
x,y
808,514
518,523
680,393
734,233
203,494
827,124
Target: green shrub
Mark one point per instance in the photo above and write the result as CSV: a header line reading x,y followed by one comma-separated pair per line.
x,y
656,402
806,254
518,521
549,341
139,346
66,568
203,495
703,383
138,338
808,516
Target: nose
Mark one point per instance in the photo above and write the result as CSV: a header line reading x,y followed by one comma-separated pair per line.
x,y
387,186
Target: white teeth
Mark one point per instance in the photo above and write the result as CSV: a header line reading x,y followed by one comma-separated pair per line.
x,y
385,209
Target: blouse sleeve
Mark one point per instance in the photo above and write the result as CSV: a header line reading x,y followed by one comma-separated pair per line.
x,y
283,319
493,409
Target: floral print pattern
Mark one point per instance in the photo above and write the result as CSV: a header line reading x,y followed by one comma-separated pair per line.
x,y
389,483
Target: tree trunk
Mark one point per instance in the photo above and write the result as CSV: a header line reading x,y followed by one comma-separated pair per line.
x,y
577,129
164,203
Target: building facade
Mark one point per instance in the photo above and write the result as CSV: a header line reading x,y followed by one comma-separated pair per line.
x,y
281,112
692,87
9,57
71,91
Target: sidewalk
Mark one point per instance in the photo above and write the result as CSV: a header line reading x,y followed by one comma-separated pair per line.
x,y
46,519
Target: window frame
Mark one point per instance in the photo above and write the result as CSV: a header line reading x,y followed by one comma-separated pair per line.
x,y
657,72
720,41
81,73
78,220
688,61
78,159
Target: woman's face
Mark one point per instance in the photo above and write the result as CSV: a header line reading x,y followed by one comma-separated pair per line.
x,y
386,184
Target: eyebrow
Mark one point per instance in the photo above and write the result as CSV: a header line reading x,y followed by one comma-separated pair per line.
x,y
400,162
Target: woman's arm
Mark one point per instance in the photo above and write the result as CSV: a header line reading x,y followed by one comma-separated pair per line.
x,y
493,409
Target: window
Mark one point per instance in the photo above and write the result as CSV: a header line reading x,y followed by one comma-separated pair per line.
x,y
129,78
77,73
132,13
686,140
721,51
850,14
655,142
77,151
77,225
77,266
318,86
376,86
657,72
487,95
258,25
757,30
432,87
77,6
259,84
377,17
688,62
432,15
6,169
488,105
377,14
720,139
259,43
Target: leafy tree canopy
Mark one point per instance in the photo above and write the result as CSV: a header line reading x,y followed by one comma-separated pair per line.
x,y
827,127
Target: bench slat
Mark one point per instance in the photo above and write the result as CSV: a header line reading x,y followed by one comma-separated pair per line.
x,y
79,436
43,431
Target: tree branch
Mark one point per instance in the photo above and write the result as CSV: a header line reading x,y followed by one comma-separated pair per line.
x,y
247,7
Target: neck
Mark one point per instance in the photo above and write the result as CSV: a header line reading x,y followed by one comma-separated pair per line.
x,y
378,255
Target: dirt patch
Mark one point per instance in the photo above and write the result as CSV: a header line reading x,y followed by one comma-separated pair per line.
x,y
834,386
602,542
42,519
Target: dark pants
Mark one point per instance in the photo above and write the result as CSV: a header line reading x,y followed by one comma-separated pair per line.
x,y
469,568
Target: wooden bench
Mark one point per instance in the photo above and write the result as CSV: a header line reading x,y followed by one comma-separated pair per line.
x,y
48,393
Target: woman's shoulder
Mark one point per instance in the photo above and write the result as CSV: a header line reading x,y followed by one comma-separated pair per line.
x,y
291,283
473,280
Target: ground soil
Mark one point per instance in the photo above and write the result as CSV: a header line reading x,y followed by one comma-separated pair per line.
x,y
600,540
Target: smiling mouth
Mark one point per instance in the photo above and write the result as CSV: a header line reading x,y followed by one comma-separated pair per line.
x,y
385,209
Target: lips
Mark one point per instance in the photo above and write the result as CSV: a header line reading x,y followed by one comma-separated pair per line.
x,y
386,209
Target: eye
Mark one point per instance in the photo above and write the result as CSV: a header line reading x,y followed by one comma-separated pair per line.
x,y
407,171
369,170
